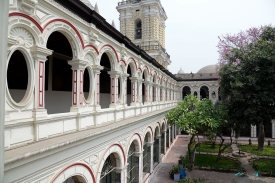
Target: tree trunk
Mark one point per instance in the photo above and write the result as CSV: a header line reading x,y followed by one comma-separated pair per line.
x,y
191,153
221,150
261,137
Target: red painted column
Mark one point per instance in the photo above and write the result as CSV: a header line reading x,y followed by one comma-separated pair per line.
x,y
134,81
78,67
40,55
114,87
160,94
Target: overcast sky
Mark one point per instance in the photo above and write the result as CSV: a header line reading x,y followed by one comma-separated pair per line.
x,y
193,26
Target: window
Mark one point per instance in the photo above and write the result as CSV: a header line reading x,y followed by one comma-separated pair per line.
x,y
138,30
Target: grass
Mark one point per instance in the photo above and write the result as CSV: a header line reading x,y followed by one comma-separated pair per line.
x,y
252,149
207,147
264,165
209,161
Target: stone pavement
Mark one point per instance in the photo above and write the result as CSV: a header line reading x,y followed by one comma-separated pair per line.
x,y
161,175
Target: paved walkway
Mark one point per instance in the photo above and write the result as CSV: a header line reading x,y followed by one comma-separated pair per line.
x,y
180,148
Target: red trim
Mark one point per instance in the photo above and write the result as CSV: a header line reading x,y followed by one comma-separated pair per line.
x,y
74,87
92,46
140,70
74,164
114,50
41,84
27,17
81,96
121,150
48,23
123,61
131,58
139,139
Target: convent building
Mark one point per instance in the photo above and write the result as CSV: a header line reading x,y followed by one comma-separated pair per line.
x,y
86,103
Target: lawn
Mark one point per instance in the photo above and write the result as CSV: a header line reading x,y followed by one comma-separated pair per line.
x,y
207,147
209,161
268,150
264,165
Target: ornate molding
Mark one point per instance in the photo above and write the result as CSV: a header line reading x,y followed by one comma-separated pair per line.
x,y
22,37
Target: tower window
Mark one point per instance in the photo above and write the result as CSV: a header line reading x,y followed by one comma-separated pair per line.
x,y
138,30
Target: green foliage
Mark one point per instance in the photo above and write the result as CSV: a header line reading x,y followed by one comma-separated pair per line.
x,y
264,165
207,147
194,116
247,82
209,161
175,169
253,149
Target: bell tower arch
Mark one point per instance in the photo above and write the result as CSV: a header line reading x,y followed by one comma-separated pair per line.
x,y
143,21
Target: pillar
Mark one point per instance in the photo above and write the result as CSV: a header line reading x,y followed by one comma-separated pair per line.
x,y
124,89
155,92
96,71
139,155
140,91
39,55
78,67
133,91
151,146
273,128
159,141
173,131
170,140
4,9
123,173
253,131
114,75
146,85
165,141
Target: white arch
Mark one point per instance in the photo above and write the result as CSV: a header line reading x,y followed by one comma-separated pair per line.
x,y
76,169
68,33
134,139
119,155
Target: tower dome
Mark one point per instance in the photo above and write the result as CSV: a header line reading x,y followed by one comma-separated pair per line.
x,y
87,3
209,69
181,71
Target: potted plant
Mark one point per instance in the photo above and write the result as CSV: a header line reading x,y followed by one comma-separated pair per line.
x,y
176,170
181,162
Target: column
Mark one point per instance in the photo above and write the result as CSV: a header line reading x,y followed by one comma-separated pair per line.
x,y
114,75
146,85
124,89
170,140
4,12
273,128
166,99
155,92
139,155
39,55
199,94
161,94
253,131
173,131
96,71
123,173
78,67
159,141
165,141
140,91
151,146
134,91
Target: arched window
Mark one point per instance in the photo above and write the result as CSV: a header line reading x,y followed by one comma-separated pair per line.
x,y
138,29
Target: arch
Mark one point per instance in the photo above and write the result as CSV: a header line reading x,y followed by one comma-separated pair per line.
x,y
150,131
186,90
27,99
123,62
74,43
30,30
138,29
112,50
92,47
78,168
133,64
90,98
119,153
157,130
204,92
135,137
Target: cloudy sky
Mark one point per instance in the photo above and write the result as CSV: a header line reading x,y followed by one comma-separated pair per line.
x,y
193,26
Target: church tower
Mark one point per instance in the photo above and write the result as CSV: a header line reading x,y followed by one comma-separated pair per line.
x,y
143,21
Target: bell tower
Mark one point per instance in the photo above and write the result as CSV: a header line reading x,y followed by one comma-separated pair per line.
x,y
143,21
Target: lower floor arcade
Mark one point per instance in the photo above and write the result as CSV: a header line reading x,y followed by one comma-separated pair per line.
x,y
121,153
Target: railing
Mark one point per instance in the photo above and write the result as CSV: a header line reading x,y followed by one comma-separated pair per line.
x,y
129,2
154,46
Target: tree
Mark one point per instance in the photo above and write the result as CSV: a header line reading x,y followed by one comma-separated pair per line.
x,y
194,117
247,70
